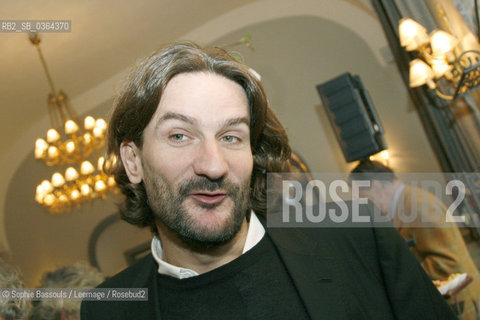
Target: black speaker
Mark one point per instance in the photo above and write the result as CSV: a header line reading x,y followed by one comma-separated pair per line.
x,y
352,116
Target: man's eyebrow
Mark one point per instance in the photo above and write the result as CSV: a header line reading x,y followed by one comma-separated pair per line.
x,y
235,121
192,121
176,116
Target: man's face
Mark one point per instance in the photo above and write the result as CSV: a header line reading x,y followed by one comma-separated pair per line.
x,y
379,194
196,161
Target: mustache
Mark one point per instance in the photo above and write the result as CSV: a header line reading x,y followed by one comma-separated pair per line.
x,y
203,183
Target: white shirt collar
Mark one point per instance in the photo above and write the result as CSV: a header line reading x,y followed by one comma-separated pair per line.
x,y
255,233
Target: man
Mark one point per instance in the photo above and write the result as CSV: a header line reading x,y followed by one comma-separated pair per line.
x,y
438,246
195,138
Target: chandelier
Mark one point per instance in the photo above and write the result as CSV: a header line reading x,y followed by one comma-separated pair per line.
x,y
67,143
62,192
441,64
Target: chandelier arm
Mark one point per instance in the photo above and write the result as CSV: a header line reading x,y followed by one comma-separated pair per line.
x,y
443,95
470,63
54,117
66,103
45,68
64,117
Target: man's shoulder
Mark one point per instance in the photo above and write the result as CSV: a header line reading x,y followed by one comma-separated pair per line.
x,y
325,240
133,275
360,218
138,275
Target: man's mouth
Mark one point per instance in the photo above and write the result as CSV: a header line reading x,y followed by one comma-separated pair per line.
x,y
209,197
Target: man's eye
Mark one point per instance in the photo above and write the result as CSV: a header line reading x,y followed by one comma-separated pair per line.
x,y
177,137
230,139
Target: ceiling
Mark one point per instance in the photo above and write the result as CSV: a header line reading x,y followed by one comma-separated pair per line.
x,y
106,37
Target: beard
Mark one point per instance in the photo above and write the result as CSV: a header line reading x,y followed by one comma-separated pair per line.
x,y
168,205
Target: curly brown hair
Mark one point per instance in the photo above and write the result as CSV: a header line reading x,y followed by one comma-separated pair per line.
x,y
139,99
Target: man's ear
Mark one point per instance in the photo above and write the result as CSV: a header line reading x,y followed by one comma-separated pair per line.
x,y
132,161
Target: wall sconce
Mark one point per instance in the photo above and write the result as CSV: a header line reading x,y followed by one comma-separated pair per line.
x,y
441,65
382,157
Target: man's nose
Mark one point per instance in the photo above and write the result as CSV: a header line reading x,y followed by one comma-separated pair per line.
x,y
210,160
